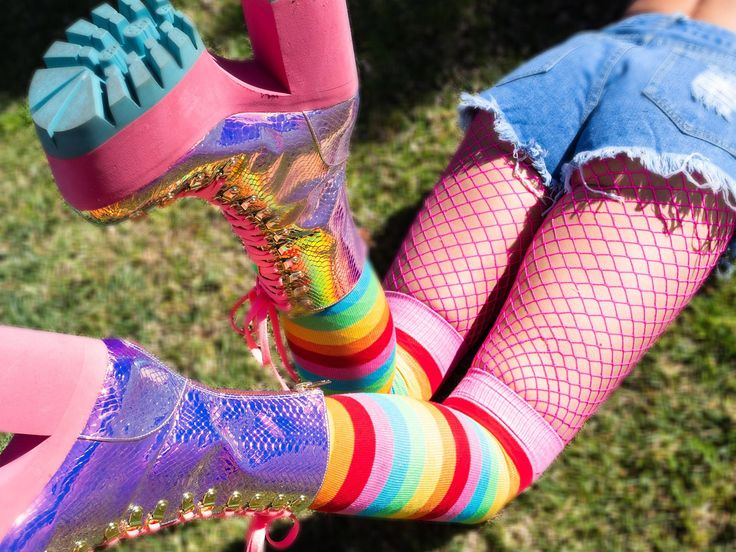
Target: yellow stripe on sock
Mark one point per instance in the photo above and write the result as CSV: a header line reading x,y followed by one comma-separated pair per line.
x,y
506,489
373,323
434,452
446,468
412,374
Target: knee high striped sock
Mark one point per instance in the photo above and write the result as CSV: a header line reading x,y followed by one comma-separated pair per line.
x,y
352,343
399,457
355,345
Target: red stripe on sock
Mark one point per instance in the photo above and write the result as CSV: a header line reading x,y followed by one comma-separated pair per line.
x,y
364,453
462,466
335,361
422,356
508,442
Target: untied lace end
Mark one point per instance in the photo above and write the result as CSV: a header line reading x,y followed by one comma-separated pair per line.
x,y
258,531
255,331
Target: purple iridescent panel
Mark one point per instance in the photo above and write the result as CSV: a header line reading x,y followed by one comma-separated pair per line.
x,y
154,436
280,180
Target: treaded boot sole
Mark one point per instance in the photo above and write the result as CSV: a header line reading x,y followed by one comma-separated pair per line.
x,y
109,72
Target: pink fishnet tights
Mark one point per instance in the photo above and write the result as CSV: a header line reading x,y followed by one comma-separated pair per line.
x,y
464,247
602,279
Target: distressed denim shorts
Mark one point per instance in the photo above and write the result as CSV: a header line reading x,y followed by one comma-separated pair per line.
x,y
660,89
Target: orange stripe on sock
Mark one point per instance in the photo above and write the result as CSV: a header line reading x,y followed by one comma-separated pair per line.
x,y
362,329
449,455
342,449
343,346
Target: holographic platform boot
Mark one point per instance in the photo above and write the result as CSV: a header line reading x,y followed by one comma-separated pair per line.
x,y
159,450
134,113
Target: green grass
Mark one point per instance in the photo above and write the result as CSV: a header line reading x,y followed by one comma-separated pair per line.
x,y
653,471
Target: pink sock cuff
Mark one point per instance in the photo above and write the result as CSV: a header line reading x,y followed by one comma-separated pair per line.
x,y
428,328
532,432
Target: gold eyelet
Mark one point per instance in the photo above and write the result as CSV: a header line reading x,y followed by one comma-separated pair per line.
x,y
207,505
187,506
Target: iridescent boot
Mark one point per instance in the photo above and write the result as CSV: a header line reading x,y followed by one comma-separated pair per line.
x,y
159,450
134,113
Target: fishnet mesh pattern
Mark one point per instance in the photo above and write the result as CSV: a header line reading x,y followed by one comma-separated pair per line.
x,y
602,279
462,251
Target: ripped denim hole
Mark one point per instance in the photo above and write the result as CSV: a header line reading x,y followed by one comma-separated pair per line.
x,y
715,90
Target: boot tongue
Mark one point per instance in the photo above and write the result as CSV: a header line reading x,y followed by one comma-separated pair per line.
x,y
138,397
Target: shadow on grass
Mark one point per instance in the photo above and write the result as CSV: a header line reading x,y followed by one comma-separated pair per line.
x,y
386,241
406,50
339,533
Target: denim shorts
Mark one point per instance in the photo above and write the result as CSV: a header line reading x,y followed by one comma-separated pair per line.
x,y
660,89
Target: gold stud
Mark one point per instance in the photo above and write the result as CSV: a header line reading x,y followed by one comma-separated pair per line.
x,y
207,505
187,506
234,501
198,180
277,237
81,546
259,501
279,502
135,521
296,276
228,194
309,386
300,291
112,532
284,250
153,522
261,214
298,504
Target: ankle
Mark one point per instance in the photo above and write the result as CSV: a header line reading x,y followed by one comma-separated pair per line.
x,y
351,343
289,206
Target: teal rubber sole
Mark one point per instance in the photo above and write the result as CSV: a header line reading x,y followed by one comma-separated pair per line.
x,y
109,72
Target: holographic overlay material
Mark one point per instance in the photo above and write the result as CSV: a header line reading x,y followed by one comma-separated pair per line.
x,y
280,180
159,449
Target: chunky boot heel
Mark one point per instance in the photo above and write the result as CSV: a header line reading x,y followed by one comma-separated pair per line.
x,y
134,113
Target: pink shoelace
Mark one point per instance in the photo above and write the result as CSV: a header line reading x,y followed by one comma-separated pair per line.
x,y
267,295
255,539
258,531
254,330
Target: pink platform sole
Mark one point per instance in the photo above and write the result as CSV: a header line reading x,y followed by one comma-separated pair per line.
x,y
48,386
303,60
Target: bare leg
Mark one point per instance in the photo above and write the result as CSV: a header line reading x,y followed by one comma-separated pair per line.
x,y
718,12
662,6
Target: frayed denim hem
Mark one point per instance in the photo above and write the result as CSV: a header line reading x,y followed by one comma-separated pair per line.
x,y
665,165
523,151
668,165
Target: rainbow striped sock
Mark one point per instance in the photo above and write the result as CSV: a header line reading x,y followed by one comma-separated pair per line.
x,y
352,343
417,373
400,457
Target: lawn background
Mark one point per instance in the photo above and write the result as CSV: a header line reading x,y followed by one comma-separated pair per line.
x,y
653,471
